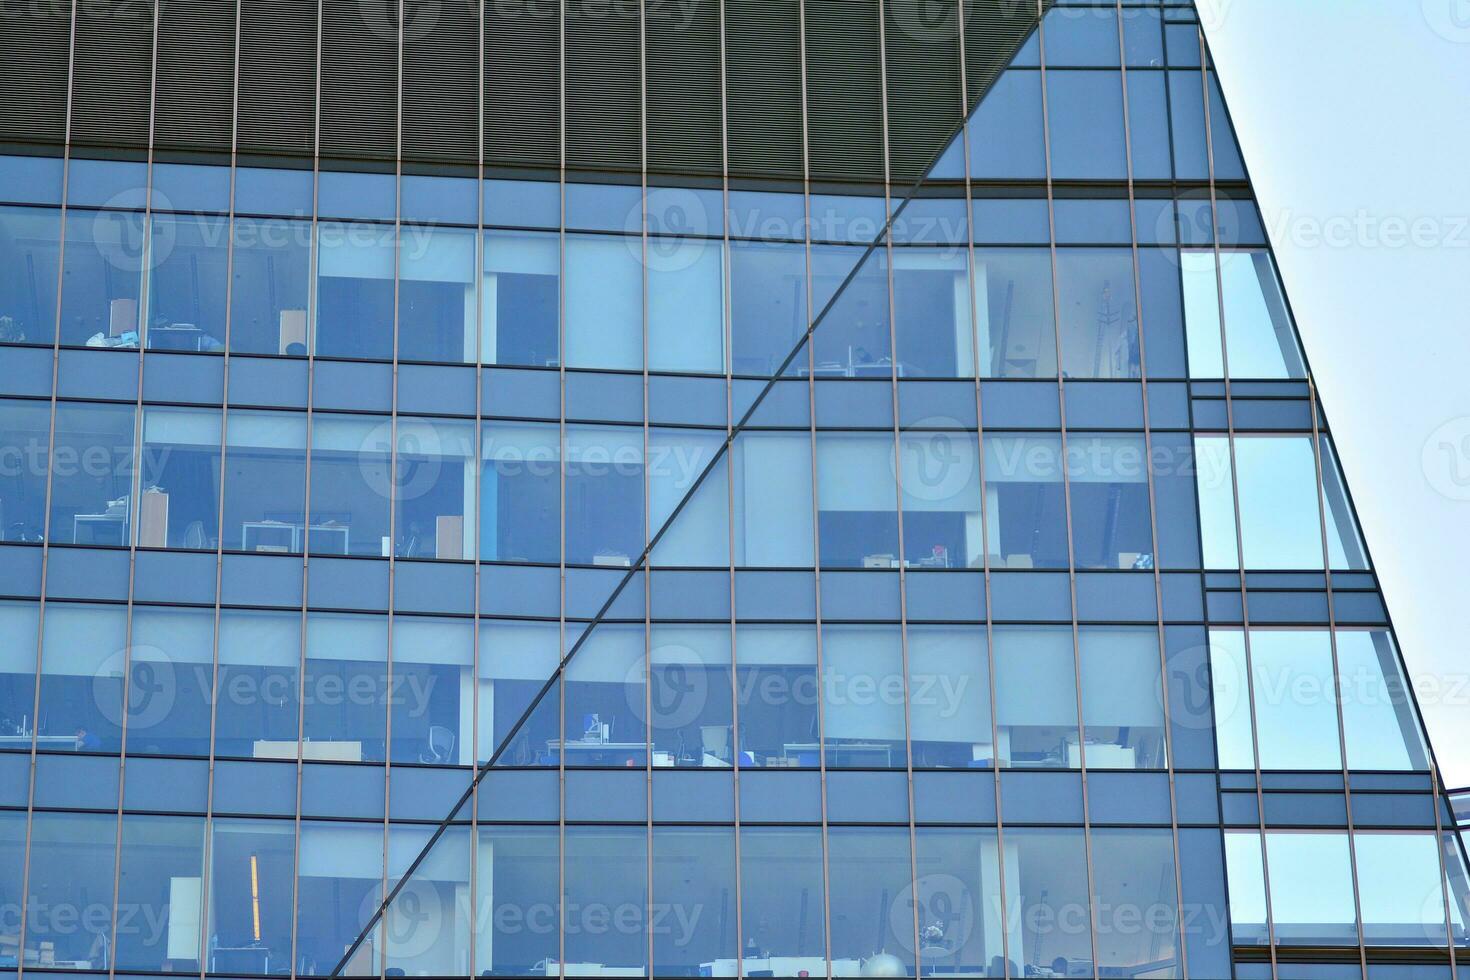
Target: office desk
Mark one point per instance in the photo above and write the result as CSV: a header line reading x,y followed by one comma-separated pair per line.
x,y
326,539
320,750
100,528
584,753
856,754
42,741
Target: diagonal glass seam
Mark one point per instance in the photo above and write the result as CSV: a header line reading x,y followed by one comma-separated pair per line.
x,y
637,566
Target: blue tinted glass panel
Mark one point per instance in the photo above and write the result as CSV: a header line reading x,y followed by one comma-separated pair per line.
x,y
105,256
354,291
30,242
520,300
436,295
186,283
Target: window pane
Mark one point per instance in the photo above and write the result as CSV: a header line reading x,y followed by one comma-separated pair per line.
x,y
1229,688
694,887
862,697
1214,478
432,694
436,294
19,622
1111,527
250,886
186,283
686,305
691,701
520,299
1202,314
1014,307
949,697
30,244
350,487
272,271
92,474
162,867
1400,888
1098,313
265,485
25,431
102,278
520,493
776,684
1344,544
856,500
931,313
259,678
170,679
1380,726
1036,697
1311,883
69,896
179,506
434,489
772,499
426,930
605,699
604,495
515,661
517,927
1046,882
700,535
853,338
872,933
940,476
604,302
1247,879
1005,131
782,894
957,900
1025,503
339,883
1295,699
606,875
1085,116
1280,522
1135,903
83,660
768,306
354,290
346,687
1122,702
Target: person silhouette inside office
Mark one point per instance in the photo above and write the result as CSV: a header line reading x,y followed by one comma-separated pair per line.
x,y
88,741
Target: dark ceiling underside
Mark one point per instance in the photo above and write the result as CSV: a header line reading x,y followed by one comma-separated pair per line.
x,y
563,84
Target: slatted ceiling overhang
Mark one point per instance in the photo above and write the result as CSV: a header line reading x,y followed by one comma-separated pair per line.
x,y
112,75
277,98
604,85
359,86
685,118
35,51
194,105
522,102
922,42
621,60
763,97
844,79
441,81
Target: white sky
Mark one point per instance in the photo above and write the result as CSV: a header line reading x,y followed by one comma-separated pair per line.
x,y
1354,118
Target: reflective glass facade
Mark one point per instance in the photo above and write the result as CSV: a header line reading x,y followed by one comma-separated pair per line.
x,y
598,575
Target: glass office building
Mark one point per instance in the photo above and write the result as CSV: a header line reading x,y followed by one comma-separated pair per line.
x,y
739,488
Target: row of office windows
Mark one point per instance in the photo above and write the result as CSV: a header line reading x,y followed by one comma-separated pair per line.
x,y
699,695
379,486
591,900
615,302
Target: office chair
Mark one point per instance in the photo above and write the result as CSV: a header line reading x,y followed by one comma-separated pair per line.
x,y
441,745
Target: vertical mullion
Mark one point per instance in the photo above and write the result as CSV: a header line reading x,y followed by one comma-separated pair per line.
x,y
1066,483
477,436
1179,932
